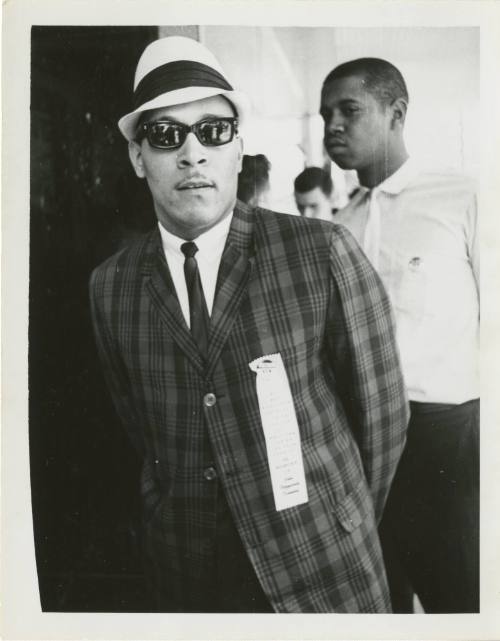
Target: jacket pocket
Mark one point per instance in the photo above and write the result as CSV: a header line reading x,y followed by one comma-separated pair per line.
x,y
354,508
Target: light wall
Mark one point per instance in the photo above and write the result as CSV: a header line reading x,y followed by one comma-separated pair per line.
x,y
282,69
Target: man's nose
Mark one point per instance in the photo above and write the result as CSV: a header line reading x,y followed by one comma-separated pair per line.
x,y
192,152
336,122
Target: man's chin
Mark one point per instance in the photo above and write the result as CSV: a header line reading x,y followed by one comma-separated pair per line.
x,y
200,219
342,161
196,207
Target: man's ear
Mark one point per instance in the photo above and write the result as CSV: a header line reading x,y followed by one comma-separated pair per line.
x,y
398,112
135,155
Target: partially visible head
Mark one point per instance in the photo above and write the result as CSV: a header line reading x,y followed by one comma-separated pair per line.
x,y
183,134
380,77
312,190
363,105
253,181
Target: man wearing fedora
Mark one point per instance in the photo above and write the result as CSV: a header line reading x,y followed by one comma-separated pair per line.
x,y
251,357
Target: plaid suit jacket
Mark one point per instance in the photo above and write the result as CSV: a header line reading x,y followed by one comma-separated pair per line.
x,y
285,284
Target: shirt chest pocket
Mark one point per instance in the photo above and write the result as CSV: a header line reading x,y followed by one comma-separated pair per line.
x,y
409,285
419,284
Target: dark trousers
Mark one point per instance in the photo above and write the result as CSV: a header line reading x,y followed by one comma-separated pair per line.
x,y
229,584
430,528
236,586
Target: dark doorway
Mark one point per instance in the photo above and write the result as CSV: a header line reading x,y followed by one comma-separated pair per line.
x,y
85,204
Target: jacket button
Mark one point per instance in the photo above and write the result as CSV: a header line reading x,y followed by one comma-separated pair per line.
x,y
209,400
210,473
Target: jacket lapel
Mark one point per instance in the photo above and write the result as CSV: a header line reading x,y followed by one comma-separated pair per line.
x,y
161,289
235,271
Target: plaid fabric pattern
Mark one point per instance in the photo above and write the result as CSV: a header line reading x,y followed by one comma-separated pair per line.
x,y
290,285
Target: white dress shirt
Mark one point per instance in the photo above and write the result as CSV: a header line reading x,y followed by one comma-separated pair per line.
x,y
371,235
428,258
210,247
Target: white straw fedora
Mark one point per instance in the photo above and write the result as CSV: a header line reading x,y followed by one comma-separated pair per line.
x,y
175,70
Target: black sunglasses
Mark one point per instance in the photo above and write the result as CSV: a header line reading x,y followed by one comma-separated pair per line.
x,y
165,134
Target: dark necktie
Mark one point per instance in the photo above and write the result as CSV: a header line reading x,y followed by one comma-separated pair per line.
x,y
198,312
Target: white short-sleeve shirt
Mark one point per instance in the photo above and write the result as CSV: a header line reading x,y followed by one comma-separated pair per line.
x,y
428,259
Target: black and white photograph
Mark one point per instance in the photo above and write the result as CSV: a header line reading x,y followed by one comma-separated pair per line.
x,y
247,367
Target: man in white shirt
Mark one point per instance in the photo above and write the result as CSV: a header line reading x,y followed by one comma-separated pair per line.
x,y
419,229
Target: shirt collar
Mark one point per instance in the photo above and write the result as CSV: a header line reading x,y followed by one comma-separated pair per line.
x,y
209,243
399,180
